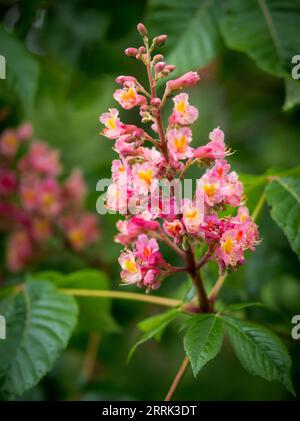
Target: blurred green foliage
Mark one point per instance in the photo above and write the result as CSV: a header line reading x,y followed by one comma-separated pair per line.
x,y
62,57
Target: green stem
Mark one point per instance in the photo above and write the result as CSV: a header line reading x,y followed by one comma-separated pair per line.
x,y
163,301
259,206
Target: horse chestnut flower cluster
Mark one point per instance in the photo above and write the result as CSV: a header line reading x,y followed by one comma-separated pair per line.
x,y
145,160
35,206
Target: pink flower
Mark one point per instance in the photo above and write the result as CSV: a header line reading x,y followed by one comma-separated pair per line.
x,y
183,113
147,249
131,272
215,149
130,229
49,200
151,279
29,191
9,143
229,252
128,96
75,188
19,250
144,177
113,125
81,231
178,143
8,182
174,229
186,80
25,131
42,159
117,197
120,172
232,190
41,229
192,217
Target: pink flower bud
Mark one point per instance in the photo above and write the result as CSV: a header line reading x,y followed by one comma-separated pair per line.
x,y
131,52
160,40
159,66
155,102
186,80
142,50
170,68
158,57
142,29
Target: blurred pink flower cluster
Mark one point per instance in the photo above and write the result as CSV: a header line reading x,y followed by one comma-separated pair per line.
x,y
136,177
35,206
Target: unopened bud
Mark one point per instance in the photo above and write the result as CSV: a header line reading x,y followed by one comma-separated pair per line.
x,y
160,40
159,66
158,57
142,29
142,50
155,102
146,120
170,68
131,52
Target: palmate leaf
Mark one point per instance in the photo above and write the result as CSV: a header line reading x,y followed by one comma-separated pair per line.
x,y
192,29
39,323
203,340
260,351
283,195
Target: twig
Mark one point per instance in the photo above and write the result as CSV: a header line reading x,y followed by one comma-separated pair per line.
x,y
177,379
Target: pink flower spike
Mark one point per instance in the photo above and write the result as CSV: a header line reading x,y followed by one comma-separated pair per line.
x,y
131,272
183,113
178,143
113,126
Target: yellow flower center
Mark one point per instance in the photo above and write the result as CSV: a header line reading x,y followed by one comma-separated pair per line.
x,y
76,237
47,199
111,123
10,140
243,217
191,213
227,246
145,175
181,107
131,266
209,189
129,95
180,144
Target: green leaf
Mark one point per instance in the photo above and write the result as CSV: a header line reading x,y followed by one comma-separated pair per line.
x,y
203,340
283,195
39,323
266,30
94,313
192,29
22,70
154,326
292,93
260,351
242,306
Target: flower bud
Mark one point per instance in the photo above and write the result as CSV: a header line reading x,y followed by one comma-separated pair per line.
x,y
159,66
158,57
142,50
131,52
155,102
142,29
160,40
170,68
